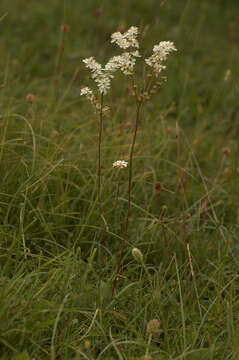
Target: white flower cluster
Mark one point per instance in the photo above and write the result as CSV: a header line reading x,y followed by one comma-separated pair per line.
x,y
126,40
120,164
160,54
124,62
101,76
127,60
88,93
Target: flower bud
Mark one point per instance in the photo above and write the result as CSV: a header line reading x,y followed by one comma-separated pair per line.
x,y
153,327
30,98
226,150
65,28
137,255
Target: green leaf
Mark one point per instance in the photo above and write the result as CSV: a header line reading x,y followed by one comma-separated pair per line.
x,y
22,356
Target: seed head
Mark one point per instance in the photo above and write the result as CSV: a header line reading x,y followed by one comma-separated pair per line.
x,y
153,327
65,28
137,255
30,98
98,12
158,186
226,150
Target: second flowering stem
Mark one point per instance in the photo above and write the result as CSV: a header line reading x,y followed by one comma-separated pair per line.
x,y
102,223
131,156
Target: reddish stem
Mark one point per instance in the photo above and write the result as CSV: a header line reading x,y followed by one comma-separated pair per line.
x,y
226,151
158,188
138,105
102,224
182,201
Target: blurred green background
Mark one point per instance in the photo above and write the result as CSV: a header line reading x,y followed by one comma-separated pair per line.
x,y
31,30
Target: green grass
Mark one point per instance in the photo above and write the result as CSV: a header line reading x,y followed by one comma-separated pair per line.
x,y
50,304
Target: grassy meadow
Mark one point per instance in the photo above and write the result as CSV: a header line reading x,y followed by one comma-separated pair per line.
x,y
56,278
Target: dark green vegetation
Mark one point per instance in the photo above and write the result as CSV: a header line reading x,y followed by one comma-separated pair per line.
x,y
50,304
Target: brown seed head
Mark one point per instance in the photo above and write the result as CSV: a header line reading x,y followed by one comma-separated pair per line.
x,y
226,150
98,12
153,327
121,28
55,133
158,186
30,98
65,28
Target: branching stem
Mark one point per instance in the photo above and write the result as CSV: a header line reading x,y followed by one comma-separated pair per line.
x,y
137,117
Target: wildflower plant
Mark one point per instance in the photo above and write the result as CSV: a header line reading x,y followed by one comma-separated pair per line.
x,y
125,63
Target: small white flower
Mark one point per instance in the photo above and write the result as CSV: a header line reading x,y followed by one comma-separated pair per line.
x,y
85,91
120,164
125,62
160,54
92,64
163,49
127,39
101,76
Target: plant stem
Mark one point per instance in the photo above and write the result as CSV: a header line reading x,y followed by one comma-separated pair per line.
x,y
138,106
182,201
158,188
102,224
117,198
64,29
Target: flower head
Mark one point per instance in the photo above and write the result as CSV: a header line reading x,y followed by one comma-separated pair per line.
x,y
126,40
120,164
124,62
160,54
101,76
137,255
30,98
153,327
87,92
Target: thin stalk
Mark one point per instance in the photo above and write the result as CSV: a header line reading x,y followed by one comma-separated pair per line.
x,y
147,356
117,198
148,83
102,223
182,201
158,188
226,151
137,117
181,304
64,30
